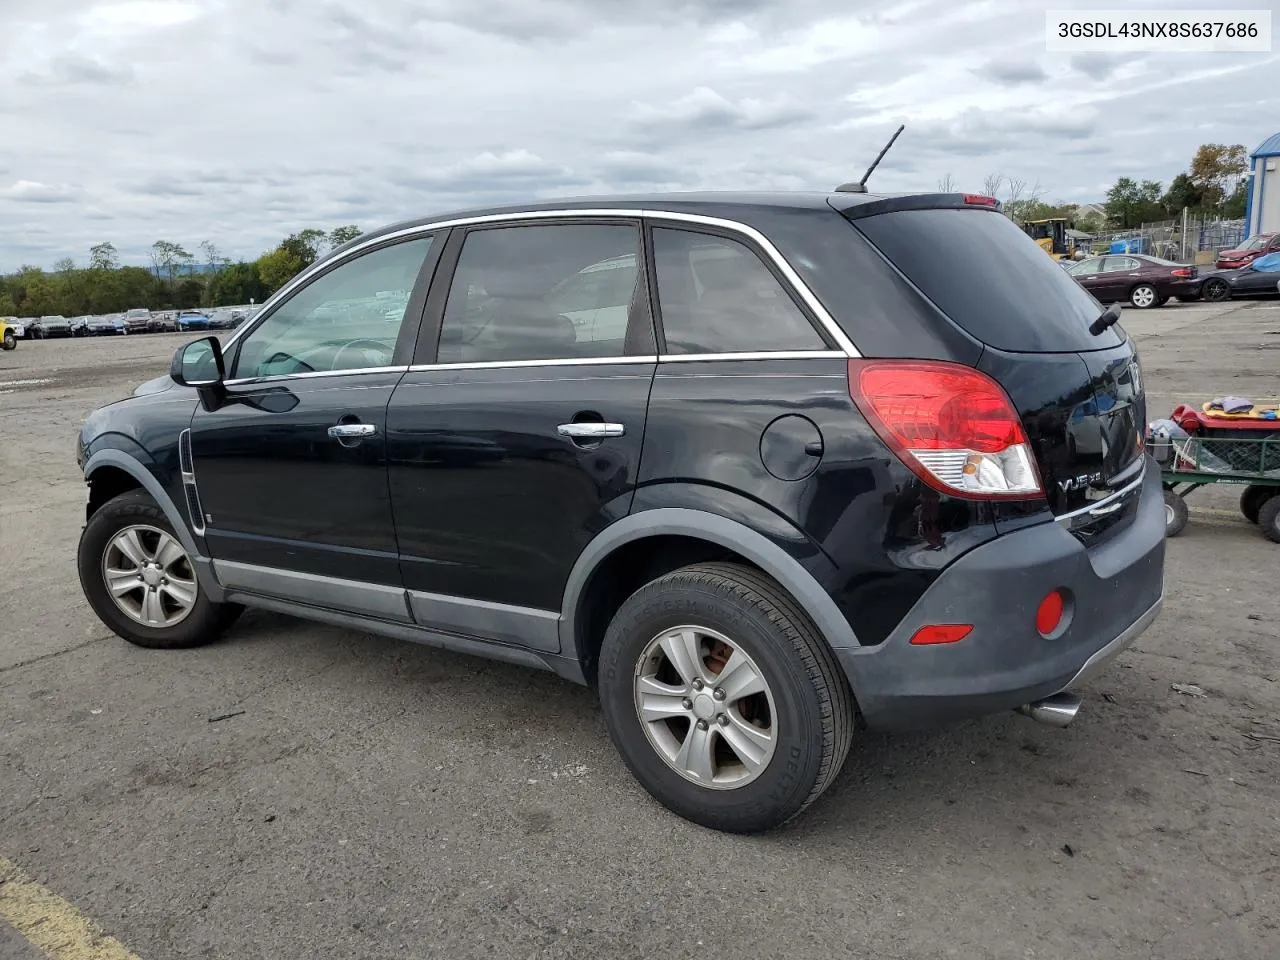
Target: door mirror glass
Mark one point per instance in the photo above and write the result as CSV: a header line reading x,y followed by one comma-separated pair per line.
x,y
198,364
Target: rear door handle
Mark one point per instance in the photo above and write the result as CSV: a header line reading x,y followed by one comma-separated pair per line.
x,y
591,430
352,431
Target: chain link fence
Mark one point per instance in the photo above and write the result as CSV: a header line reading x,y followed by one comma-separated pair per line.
x,y
1200,241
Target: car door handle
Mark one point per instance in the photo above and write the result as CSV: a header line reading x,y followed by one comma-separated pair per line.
x,y
352,431
591,430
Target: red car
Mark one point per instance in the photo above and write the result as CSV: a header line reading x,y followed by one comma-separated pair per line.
x,y
1249,251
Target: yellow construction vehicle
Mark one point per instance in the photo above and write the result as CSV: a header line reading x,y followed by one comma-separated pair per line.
x,y
1051,235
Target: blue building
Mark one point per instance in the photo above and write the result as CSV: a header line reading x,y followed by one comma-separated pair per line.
x,y
1262,196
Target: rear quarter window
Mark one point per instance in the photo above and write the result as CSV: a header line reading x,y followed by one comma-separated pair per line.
x,y
991,279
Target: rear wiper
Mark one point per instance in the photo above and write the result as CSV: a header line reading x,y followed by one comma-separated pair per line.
x,y
1107,320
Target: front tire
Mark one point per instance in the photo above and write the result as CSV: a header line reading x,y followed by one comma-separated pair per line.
x,y
141,582
1144,296
724,700
10,341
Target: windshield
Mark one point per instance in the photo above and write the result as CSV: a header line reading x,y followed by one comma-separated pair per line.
x,y
991,279
1255,243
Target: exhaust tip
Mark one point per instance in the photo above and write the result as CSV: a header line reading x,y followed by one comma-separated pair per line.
x,y
1055,711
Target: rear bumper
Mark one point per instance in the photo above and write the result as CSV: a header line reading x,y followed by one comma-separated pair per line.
x,y
1115,592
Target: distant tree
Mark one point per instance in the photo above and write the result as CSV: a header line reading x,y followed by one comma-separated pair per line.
x,y
305,246
187,293
65,266
1233,206
1182,194
340,235
168,256
946,183
1131,204
991,184
278,267
237,283
103,256
1020,198
1217,170
212,256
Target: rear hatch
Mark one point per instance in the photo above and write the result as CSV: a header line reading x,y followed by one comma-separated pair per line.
x,y
1079,394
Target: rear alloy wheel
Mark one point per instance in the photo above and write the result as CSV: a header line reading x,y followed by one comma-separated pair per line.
x,y
10,341
1175,514
1215,290
141,581
1143,296
724,701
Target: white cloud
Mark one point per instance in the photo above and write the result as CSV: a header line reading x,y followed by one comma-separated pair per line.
x,y
240,121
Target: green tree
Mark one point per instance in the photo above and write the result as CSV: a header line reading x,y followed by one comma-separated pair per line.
x,y
340,235
278,267
1131,204
187,293
168,257
235,284
305,246
1217,170
103,256
1182,194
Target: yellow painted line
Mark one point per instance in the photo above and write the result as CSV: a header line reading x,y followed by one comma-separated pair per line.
x,y
51,923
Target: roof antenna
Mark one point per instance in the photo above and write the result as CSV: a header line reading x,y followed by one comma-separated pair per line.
x,y
861,185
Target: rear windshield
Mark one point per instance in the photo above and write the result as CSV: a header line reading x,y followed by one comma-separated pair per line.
x,y
991,279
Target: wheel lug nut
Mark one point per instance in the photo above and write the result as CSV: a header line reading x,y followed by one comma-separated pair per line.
x,y
687,703
723,720
718,693
698,684
702,724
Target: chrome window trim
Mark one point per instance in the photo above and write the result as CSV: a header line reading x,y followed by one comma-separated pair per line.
x,y
846,347
499,364
755,355
314,374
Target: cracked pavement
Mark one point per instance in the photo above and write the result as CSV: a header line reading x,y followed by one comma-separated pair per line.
x,y
377,799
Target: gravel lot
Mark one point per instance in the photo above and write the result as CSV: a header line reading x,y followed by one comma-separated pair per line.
x,y
376,799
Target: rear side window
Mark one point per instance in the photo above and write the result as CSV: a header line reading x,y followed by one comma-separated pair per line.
x,y
991,279
545,292
716,296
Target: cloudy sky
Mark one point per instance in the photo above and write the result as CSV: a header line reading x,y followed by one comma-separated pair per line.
x,y
239,121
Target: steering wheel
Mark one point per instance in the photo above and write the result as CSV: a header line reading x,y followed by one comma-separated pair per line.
x,y
281,357
365,342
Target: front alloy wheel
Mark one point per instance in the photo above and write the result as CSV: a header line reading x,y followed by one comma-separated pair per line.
x,y
149,576
705,706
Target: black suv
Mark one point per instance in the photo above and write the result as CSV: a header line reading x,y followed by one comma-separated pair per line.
x,y
760,468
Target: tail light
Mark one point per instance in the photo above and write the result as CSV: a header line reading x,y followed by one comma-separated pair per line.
x,y
953,427
1181,272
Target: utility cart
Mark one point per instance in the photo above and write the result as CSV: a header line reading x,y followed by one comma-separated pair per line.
x,y
1243,452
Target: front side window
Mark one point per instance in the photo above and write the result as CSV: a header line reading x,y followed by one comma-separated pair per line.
x,y
716,296
543,292
346,319
1086,267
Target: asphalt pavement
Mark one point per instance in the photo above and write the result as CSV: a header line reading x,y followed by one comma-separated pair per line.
x,y
369,798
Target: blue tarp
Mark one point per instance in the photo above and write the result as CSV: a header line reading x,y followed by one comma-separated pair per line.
x,y
1268,264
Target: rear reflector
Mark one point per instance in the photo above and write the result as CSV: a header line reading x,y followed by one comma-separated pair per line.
x,y
977,200
953,427
1049,613
942,633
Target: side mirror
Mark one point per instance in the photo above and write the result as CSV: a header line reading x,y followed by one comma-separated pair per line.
x,y
199,364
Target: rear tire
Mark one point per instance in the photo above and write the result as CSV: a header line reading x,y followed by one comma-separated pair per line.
x,y
1175,514
1214,290
1253,498
803,708
1269,519
10,341
1144,296
175,620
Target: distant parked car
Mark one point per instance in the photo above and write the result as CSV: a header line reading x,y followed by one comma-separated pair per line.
x,y
1259,278
111,324
1141,280
192,320
55,326
225,319
161,323
1247,252
136,320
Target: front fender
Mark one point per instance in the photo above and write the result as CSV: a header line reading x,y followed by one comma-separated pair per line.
x,y
131,465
